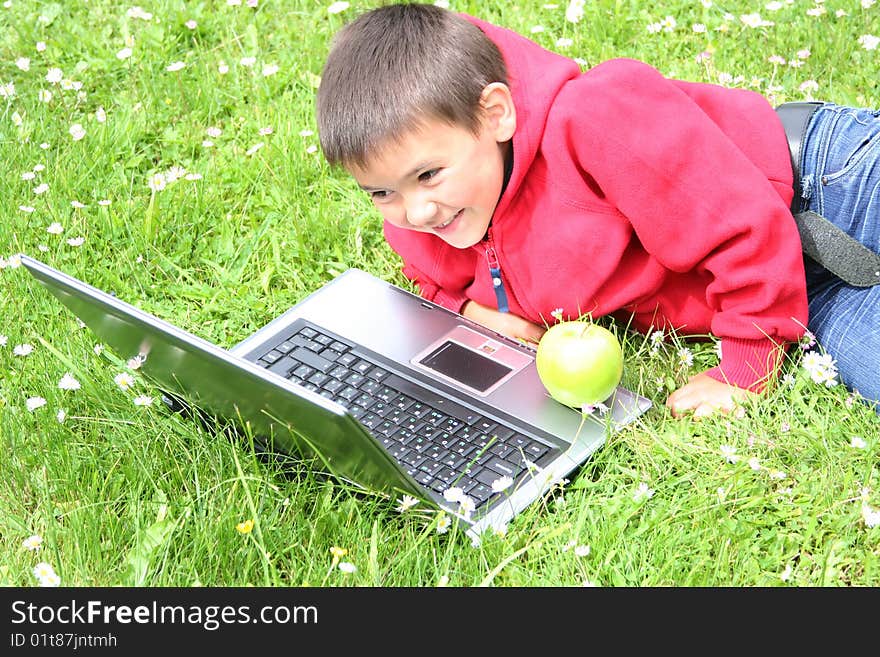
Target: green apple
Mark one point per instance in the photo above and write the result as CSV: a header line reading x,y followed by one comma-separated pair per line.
x,y
580,363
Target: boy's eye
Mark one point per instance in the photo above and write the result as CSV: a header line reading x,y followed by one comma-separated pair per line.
x,y
379,194
427,175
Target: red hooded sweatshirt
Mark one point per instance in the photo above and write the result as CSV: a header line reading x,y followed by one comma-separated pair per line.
x,y
661,201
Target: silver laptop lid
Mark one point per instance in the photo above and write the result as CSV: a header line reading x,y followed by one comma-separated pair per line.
x,y
231,388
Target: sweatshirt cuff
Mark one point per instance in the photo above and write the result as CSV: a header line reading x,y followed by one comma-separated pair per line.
x,y
451,300
748,364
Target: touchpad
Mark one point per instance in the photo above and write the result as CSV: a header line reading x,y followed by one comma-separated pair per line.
x,y
471,360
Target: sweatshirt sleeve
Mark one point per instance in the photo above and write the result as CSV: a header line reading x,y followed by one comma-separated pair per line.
x,y
660,152
451,299
440,272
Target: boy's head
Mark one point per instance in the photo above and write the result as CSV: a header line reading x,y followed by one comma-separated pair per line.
x,y
395,67
414,103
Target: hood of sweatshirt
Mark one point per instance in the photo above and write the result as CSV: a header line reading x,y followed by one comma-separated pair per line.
x,y
536,76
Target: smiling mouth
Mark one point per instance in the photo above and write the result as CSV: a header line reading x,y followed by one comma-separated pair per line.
x,y
447,224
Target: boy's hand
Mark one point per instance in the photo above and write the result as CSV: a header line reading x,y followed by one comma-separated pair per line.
x,y
505,323
704,395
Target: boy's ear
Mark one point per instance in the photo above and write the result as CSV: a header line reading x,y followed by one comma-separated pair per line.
x,y
499,113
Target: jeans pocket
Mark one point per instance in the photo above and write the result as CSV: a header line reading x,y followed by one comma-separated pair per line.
x,y
858,143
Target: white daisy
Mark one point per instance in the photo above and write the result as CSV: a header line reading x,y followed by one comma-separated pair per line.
x,y
33,542
33,403
67,382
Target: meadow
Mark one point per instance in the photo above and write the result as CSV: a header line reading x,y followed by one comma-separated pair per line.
x,y
168,152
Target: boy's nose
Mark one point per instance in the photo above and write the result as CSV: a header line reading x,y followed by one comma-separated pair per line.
x,y
420,212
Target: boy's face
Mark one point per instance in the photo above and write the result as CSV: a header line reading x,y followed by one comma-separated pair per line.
x,y
441,179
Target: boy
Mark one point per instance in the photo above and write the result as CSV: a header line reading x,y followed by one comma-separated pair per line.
x,y
513,184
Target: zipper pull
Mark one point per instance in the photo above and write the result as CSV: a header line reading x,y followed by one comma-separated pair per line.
x,y
497,283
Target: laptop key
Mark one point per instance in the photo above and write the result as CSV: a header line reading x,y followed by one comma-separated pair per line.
x,y
370,420
435,418
385,428
451,424
330,354
500,449
318,378
418,409
403,436
424,478
355,379
362,367
503,467
452,460
370,387
397,416
350,393
518,441
429,466
485,425
303,372
419,443
462,448
324,340
482,440
448,475
340,372
466,484
387,394
438,485
272,357
381,408
481,492
398,451
501,433
436,435
364,400
414,459
377,373
402,402
412,424
283,366
437,453
535,450
299,341
313,360
488,477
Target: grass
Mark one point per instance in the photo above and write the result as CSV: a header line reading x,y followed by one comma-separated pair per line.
x,y
132,495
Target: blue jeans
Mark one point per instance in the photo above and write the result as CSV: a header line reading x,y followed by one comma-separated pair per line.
x,y
840,179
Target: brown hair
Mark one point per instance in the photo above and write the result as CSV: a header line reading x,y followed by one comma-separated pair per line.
x,y
393,68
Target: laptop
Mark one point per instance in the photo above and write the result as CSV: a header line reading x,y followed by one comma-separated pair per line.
x,y
375,385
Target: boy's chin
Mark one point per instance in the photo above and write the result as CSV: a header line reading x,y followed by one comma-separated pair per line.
x,y
460,241
465,237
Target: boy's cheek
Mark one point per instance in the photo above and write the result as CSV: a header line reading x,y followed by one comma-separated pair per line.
x,y
394,219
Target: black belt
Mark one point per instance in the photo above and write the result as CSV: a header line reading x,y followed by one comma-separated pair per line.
x,y
825,243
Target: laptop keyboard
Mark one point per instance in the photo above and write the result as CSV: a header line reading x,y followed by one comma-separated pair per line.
x,y
440,444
